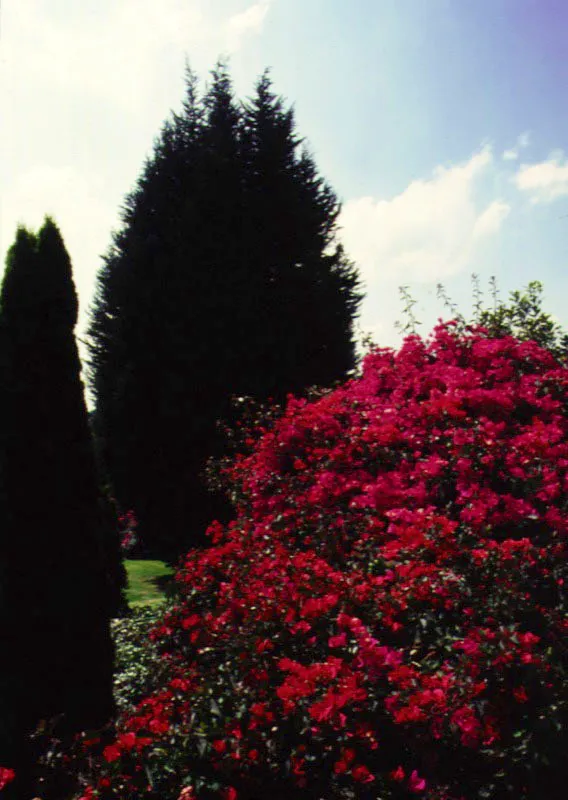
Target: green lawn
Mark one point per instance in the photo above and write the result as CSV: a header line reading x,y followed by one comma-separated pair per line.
x,y
145,582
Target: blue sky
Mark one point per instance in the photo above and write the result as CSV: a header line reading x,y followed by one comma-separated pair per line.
x,y
441,124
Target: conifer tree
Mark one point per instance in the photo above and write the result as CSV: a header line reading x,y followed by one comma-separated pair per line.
x,y
306,293
57,590
225,278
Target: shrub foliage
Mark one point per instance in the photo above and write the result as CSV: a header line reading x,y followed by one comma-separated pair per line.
x,y
385,617
137,660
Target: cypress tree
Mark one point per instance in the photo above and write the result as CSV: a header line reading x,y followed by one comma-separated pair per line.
x,y
225,278
58,589
306,290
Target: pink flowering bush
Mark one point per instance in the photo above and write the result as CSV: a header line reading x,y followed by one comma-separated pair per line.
x,y
386,616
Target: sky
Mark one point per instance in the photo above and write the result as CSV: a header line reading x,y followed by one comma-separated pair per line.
x,y
442,126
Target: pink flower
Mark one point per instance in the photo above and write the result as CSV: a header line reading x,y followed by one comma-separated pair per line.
x,y
416,784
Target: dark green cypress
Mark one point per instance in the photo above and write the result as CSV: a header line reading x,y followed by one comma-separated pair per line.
x,y
59,587
225,278
306,291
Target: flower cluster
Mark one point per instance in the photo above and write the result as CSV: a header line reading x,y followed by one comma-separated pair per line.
x,y
385,617
7,775
128,532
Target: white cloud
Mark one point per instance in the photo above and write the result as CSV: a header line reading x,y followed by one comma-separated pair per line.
x,y
545,181
426,233
85,88
522,143
240,25
117,52
108,54
79,205
76,201
490,221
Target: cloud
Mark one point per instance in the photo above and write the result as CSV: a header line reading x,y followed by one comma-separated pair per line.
x,y
545,181
79,205
106,54
73,199
240,25
426,233
118,52
522,143
97,79
490,221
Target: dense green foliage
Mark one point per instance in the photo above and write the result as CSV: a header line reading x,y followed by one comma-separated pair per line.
x,y
225,278
137,662
59,575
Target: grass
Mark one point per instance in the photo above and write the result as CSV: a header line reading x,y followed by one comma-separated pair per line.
x,y
146,582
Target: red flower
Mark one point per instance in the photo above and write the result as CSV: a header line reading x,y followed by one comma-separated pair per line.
x,y
468,724
398,774
190,622
298,765
393,530
126,741
158,726
6,776
111,753
361,774
520,694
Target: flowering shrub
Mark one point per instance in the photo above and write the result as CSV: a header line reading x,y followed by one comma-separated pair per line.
x,y
137,660
385,618
128,532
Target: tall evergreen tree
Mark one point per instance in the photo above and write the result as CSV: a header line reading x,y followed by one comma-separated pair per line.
x,y
225,278
306,290
56,592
